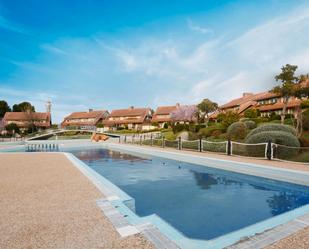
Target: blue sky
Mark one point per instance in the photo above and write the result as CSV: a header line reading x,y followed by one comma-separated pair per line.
x,y
114,54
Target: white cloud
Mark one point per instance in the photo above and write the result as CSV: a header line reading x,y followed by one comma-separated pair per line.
x,y
197,28
158,71
8,25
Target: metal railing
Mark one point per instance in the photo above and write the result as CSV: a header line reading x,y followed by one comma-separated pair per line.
x,y
270,151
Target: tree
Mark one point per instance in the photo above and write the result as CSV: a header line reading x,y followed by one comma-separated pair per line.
x,y
252,113
23,107
12,128
185,113
4,107
206,107
228,118
287,88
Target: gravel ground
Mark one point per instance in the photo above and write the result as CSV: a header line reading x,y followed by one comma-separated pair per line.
x,y
299,240
46,203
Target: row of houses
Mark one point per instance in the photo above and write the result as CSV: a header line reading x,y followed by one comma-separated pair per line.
x,y
145,118
130,118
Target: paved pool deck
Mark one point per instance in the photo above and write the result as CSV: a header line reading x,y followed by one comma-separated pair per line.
x,y
46,202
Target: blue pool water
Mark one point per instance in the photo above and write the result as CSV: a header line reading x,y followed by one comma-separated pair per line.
x,y
201,202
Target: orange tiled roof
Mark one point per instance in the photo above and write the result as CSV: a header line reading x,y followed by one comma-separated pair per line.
x,y
279,105
85,115
130,112
40,119
130,116
96,115
251,97
163,110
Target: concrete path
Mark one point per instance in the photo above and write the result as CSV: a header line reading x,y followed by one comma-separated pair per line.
x,y
45,202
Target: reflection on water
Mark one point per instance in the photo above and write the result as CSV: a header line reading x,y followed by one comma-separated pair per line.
x,y
201,202
105,155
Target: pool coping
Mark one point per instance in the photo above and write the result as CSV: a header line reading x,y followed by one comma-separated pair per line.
x,y
176,236
153,224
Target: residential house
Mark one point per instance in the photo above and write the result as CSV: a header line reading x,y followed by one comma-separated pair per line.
x,y
163,115
42,120
266,102
84,120
131,118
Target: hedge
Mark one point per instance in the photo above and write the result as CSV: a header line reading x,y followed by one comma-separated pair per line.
x,y
237,130
273,127
278,137
250,124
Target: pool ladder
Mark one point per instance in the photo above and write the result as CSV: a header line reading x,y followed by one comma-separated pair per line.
x,y
43,147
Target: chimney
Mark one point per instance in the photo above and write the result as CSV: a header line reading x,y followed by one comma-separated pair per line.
x,y
131,107
90,110
48,106
247,94
177,105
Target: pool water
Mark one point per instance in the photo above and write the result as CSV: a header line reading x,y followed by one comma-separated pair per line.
x,y
201,202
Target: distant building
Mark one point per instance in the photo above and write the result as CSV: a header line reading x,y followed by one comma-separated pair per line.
x,y
131,118
42,120
84,120
266,102
163,115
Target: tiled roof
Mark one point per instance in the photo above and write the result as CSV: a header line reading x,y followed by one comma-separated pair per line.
x,y
84,115
279,105
251,97
130,112
25,116
163,110
40,119
130,116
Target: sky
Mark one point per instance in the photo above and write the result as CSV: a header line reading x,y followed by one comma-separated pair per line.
x,y
114,54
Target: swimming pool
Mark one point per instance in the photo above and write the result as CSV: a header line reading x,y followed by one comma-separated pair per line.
x,y
201,202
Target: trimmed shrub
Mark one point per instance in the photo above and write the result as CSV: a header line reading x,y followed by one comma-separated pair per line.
x,y
305,120
278,137
304,139
237,130
273,127
207,132
216,133
250,124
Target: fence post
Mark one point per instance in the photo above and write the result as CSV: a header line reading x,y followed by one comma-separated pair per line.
x,y
179,143
163,142
119,139
140,140
151,141
229,147
125,139
269,150
200,145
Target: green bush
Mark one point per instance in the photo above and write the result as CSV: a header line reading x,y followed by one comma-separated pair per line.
x,y
228,118
274,116
180,127
306,120
260,120
273,127
165,126
12,127
206,132
250,124
304,139
305,104
237,130
278,137
252,113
